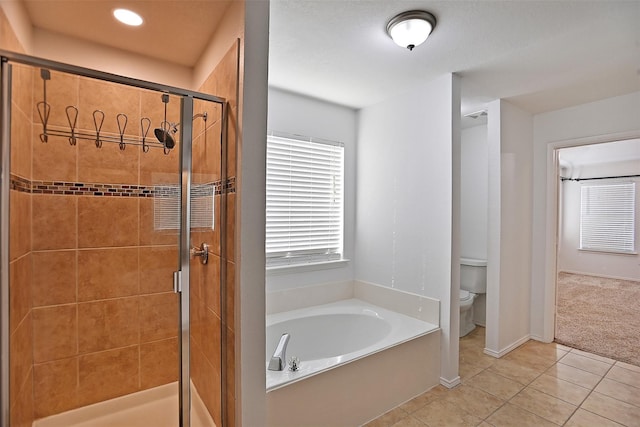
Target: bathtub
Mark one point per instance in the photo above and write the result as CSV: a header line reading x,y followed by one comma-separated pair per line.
x,y
357,360
329,335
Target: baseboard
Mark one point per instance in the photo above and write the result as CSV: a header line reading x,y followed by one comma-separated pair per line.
x,y
507,349
539,338
606,276
450,383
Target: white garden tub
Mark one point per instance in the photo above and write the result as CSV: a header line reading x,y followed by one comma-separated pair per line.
x,y
326,336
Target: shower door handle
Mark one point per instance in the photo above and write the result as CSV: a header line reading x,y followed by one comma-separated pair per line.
x,y
202,252
177,282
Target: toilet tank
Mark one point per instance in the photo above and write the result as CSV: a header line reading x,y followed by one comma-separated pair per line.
x,y
473,275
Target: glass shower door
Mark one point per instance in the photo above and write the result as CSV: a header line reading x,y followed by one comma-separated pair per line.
x,y
94,223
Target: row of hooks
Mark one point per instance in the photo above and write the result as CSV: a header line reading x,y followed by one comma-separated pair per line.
x,y
164,134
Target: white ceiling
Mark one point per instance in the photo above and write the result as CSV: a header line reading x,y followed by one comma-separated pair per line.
x,y
540,55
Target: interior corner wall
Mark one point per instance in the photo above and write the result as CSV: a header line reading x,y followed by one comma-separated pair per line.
x,y
404,219
21,30
474,196
600,121
300,115
509,255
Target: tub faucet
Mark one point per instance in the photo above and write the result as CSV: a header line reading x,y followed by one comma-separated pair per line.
x,y
278,360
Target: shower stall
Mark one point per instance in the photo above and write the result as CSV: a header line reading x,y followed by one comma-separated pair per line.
x,y
113,250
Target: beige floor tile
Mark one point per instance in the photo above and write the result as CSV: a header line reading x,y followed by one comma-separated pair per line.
x,y
495,384
562,347
547,350
515,371
624,376
586,364
409,421
620,391
561,389
476,356
612,409
511,415
424,399
544,405
574,375
474,401
388,419
468,370
445,414
628,366
530,359
593,356
583,418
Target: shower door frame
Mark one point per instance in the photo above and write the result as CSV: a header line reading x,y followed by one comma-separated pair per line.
x,y
181,277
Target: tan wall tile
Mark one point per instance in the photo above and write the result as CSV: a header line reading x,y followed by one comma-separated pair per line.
x,y
20,143
8,39
157,265
207,382
158,363
108,164
211,343
231,295
55,160
107,273
231,362
158,316
55,386
20,359
107,324
19,290
107,374
148,234
157,168
54,222
232,141
20,224
112,99
210,284
54,277
62,91
231,227
54,332
22,409
22,88
107,221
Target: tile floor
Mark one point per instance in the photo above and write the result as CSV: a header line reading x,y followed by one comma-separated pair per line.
x,y
537,384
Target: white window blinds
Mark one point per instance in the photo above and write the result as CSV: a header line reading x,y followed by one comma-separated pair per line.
x,y
607,217
304,200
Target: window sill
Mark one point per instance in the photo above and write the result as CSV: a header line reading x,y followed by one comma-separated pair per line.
x,y
301,268
598,251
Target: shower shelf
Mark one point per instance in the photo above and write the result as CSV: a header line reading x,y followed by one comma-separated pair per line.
x,y
163,133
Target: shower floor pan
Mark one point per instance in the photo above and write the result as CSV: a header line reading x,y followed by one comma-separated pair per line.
x,y
156,407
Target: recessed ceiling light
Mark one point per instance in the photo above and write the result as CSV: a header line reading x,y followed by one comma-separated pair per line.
x,y
128,17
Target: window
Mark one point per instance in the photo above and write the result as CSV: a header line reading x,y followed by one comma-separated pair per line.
x,y
607,217
304,200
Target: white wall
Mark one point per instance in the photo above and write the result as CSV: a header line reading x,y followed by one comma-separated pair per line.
x,y
570,258
474,192
509,247
405,221
296,114
601,121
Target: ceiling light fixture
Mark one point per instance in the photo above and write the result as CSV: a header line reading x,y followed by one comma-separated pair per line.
x,y
411,29
128,17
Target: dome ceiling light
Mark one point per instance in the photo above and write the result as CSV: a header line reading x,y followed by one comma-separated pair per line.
x,y
410,29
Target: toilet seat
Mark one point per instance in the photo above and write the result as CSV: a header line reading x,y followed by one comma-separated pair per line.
x,y
465,295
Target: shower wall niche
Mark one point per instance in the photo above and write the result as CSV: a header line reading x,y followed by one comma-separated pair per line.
x,y
95,239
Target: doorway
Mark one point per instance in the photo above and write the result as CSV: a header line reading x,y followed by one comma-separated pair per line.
x,y
598,275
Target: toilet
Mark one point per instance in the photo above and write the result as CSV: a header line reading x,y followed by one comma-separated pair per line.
x,y
473,281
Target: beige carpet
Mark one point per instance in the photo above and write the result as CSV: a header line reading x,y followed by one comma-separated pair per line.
x,y
599,315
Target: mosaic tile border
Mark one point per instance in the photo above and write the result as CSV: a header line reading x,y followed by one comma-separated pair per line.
x,y
106,190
